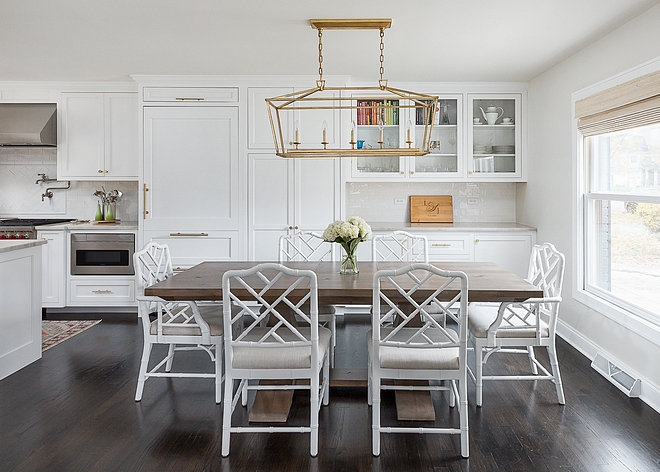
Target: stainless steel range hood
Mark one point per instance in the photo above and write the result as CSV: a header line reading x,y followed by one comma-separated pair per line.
x,y
28,124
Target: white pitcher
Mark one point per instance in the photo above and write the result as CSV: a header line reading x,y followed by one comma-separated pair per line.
x,y
492,114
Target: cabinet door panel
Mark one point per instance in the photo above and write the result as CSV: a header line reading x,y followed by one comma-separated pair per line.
x,y
191,167
82,136
121,140
259,129
187,251
317,194
270,198
509,251
52,262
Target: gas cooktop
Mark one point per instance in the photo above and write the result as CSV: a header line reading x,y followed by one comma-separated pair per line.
x,y
31,221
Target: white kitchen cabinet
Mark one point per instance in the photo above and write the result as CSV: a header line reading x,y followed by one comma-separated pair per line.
x,y
461,149
286,195
53,269
99,136
444,162
190,194
494,148
508,250
101,291
20,298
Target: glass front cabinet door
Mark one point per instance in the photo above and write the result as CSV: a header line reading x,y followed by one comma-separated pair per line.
x,y
446,141
372,121
494,136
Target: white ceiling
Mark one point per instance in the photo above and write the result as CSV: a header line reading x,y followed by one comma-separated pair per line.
x,y
430,40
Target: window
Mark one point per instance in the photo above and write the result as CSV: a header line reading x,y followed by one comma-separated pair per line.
x,y
620,195
622,219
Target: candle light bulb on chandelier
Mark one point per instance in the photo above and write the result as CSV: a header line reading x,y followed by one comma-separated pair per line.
x,y
325,131
352,132
296,138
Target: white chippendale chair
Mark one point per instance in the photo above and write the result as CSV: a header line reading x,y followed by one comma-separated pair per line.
x,y
518,327
400,246
279,350
310,246
181,325
403,246
406,342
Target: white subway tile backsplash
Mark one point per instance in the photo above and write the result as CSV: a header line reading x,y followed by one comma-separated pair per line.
x,y
375,201
20,196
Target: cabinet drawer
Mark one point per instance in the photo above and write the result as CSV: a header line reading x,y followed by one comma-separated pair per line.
x,y
102,291
189,248
449,245
190,94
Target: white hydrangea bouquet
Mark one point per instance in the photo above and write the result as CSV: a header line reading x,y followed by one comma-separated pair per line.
x,y
349,234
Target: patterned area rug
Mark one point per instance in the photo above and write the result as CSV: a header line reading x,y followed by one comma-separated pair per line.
x,y
54,332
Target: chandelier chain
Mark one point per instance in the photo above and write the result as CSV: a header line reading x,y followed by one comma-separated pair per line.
x,y
320,55
382,57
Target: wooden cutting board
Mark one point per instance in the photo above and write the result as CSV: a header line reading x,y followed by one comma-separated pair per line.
x,y
431,209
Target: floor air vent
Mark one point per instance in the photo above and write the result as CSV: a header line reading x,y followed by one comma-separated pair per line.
x,y
621,379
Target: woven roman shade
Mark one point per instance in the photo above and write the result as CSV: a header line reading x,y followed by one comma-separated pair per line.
x,y
628,105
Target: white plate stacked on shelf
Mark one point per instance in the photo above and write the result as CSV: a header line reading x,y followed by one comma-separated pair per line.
x,y
503,149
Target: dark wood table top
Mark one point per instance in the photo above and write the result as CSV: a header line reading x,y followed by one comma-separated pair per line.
x,y
487,282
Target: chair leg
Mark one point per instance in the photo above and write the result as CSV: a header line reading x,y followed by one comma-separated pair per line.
x,y
226,414
218,372
479,360
333,343
552,354
452,396
326,381
463,416
314,415
532,358
375,415
244,392
370,385
142,375
170,358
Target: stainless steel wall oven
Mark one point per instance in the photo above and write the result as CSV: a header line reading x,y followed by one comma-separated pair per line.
x,y
102,253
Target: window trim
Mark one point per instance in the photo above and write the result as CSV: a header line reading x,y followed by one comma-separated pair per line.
x,y
629,319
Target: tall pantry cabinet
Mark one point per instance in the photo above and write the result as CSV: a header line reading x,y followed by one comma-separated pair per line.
x,y
287,195
190,196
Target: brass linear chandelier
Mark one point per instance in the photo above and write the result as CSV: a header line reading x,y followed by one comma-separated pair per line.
x,y
377,110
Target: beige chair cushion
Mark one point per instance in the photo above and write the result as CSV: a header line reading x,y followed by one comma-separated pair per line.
x,y
416,358
480,317
279,357
212,314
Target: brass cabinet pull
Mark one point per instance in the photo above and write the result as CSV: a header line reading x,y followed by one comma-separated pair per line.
x,y
412,172
100,171
144,202
106,171
189,234
102,291
441,245
195,99
402,172
476,240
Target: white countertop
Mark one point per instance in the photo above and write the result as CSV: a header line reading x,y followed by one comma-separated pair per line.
x,y
16,244
92,225
435,227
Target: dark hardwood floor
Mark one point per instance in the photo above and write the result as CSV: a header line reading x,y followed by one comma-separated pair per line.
x,y
74,411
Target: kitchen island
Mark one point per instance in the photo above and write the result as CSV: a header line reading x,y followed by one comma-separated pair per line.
x,y
20,304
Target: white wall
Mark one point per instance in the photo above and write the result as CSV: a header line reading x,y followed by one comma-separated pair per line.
x,y
21,197
374,201
546,200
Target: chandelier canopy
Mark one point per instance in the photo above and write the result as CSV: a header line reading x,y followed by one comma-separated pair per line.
x,y
372,109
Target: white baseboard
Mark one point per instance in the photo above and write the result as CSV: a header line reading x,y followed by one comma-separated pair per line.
x,y
650,392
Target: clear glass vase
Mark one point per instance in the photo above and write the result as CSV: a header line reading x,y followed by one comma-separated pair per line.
x,y
349,264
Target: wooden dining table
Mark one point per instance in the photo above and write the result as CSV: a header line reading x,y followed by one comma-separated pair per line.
x,y
487,282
